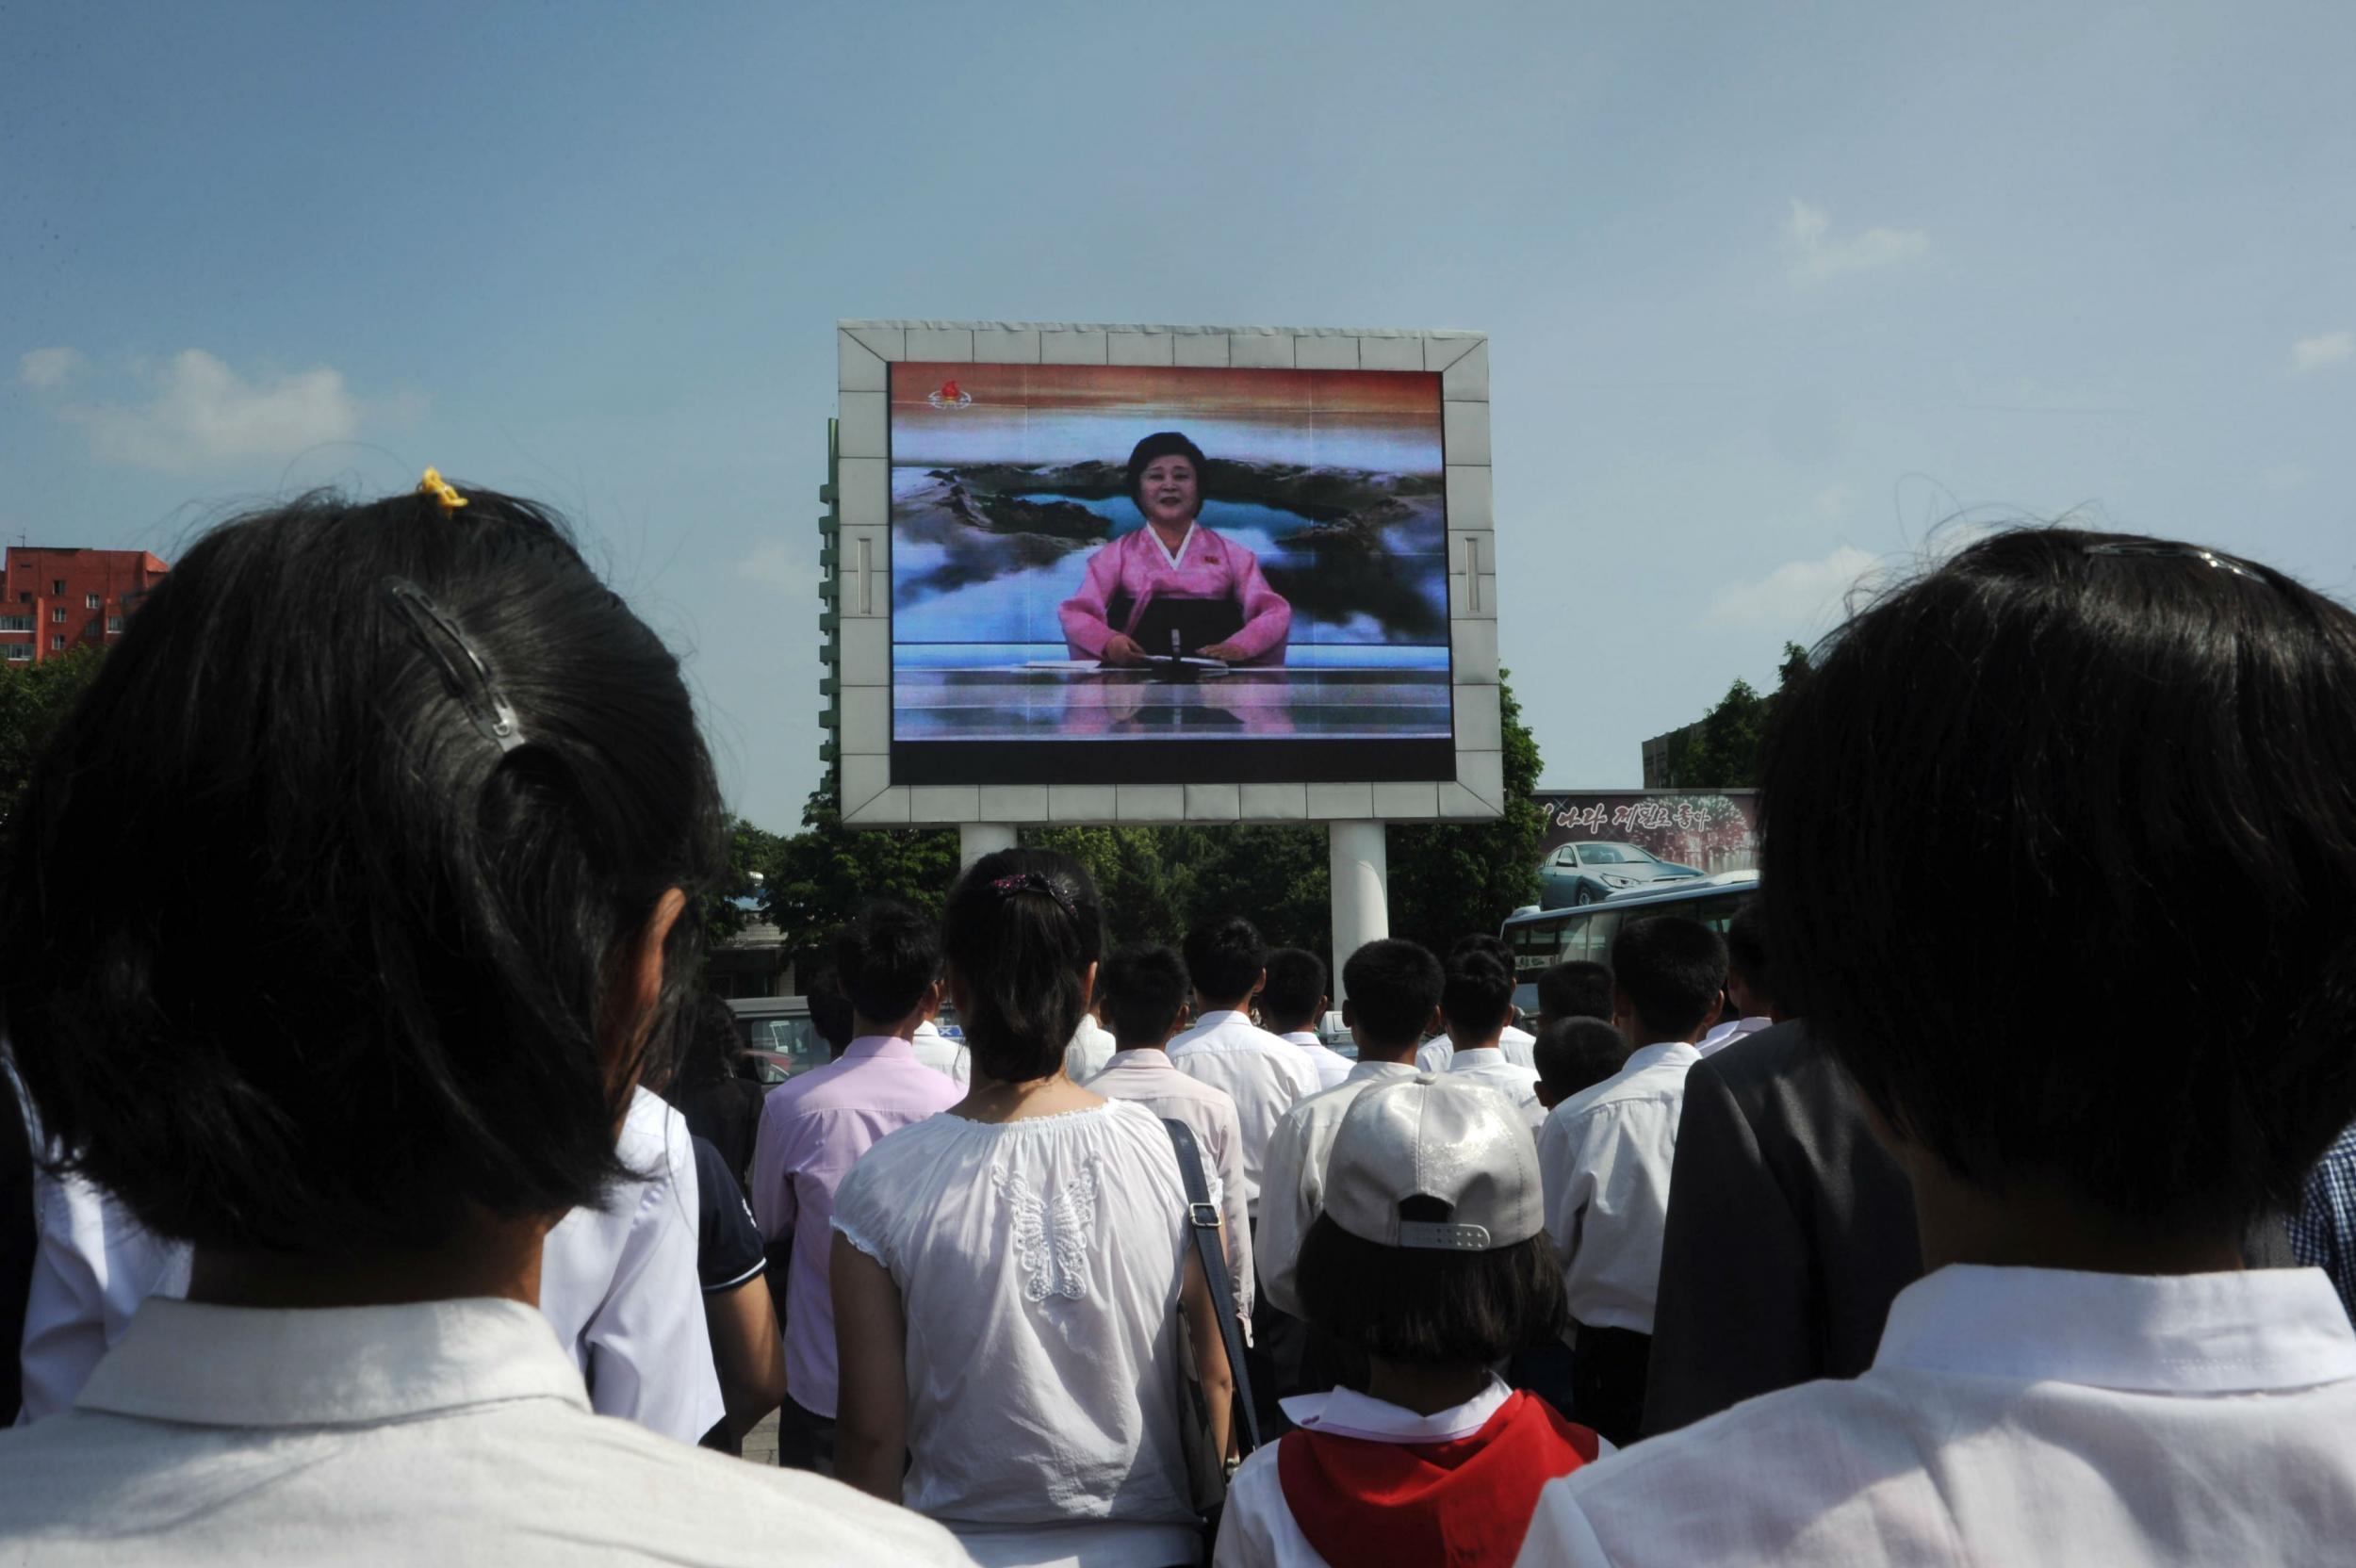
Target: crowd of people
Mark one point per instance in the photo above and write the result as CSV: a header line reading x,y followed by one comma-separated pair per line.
x,y
393,1196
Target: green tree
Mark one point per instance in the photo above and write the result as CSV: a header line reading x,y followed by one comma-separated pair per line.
x,y
1724,749
1451,879
34,700
752,859
824,872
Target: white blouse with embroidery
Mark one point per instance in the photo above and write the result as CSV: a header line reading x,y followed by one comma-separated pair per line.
x,y
1038,1263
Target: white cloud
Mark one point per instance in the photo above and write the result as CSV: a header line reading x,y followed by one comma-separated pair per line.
x,y
1794,595
2330,348
779,565
203,412
47,368
1818,254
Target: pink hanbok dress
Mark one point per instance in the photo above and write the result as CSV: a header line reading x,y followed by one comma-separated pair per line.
x,y
1128,574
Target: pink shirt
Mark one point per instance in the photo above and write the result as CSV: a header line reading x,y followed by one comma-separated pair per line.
x,y
814,1128
1208,567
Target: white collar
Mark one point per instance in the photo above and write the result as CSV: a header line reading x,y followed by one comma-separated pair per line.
x,y
1302,1036
1178,558
1348,1414
2184,1333
206,1365
1220,1019
1139,1058
1362,1071
1654,1055
1475,1055
927,1029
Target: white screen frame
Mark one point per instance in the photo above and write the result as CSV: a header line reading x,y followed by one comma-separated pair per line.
x,y
866,349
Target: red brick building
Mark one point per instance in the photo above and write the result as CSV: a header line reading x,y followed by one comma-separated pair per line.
x,y
54,599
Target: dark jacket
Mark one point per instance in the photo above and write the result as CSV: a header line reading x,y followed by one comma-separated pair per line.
x,y
1789,1230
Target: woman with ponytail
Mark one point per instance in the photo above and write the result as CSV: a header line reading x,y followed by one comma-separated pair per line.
x,y
1007,1277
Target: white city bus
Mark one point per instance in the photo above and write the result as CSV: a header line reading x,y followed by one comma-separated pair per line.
x,y
1540,939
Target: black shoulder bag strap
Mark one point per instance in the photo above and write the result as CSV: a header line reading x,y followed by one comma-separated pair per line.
x,y
1204,1220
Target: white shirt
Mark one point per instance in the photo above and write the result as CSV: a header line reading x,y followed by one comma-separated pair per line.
x,y
941,1053
1091,1047
1295,1175
619,1285
1519,1045
1606,1153
2014,1415
1264,1076
93,1266
1726,1034
1488,1065
1147,1078
1331,1066
1040,1264
449,1432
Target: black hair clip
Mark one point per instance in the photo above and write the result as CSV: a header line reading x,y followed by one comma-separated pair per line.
x,y
464,672
2186,552
1032,882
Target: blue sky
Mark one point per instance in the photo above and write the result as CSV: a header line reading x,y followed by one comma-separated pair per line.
x,y
1773,292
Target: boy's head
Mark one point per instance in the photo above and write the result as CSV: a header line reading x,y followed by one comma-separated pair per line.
x,y
1667,974
1573,1054
2074,775
1433,1249
1477,1000
1573,989
887,958
1393,991
830,1009
1295,992
1142,990
1228,963
1750,977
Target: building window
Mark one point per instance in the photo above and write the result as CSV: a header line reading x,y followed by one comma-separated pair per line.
x,y
57,585
57,617
16,623
24,598
20,652
90,601
57,640
114,626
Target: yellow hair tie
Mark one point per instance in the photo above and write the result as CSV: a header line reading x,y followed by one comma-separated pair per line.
x,y
434,484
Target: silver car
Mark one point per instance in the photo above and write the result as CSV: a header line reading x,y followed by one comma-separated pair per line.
x,y
1589,873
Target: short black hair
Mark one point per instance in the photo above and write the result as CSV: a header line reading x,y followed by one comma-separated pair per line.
x,y
1746,950
2072,774
1296,983
1144,989
830,1011
1478,996
1575,988
1428,1307
1483,942
709,1041
1673,970
1393,984
1574,1053
1225,957
885,956
1022,926
314,898
1168,443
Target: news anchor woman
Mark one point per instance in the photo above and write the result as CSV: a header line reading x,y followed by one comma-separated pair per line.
x,y
1173,560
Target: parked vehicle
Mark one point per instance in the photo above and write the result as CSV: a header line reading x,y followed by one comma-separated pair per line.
x,y
1589,872
1539,940
777,1032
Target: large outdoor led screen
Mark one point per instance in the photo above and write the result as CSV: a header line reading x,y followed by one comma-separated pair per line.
x,y
1168,574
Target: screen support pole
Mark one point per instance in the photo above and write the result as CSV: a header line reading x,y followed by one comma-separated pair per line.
x,y
1362,903
978,839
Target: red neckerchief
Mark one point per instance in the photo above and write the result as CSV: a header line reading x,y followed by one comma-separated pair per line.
x,y
1463,1504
